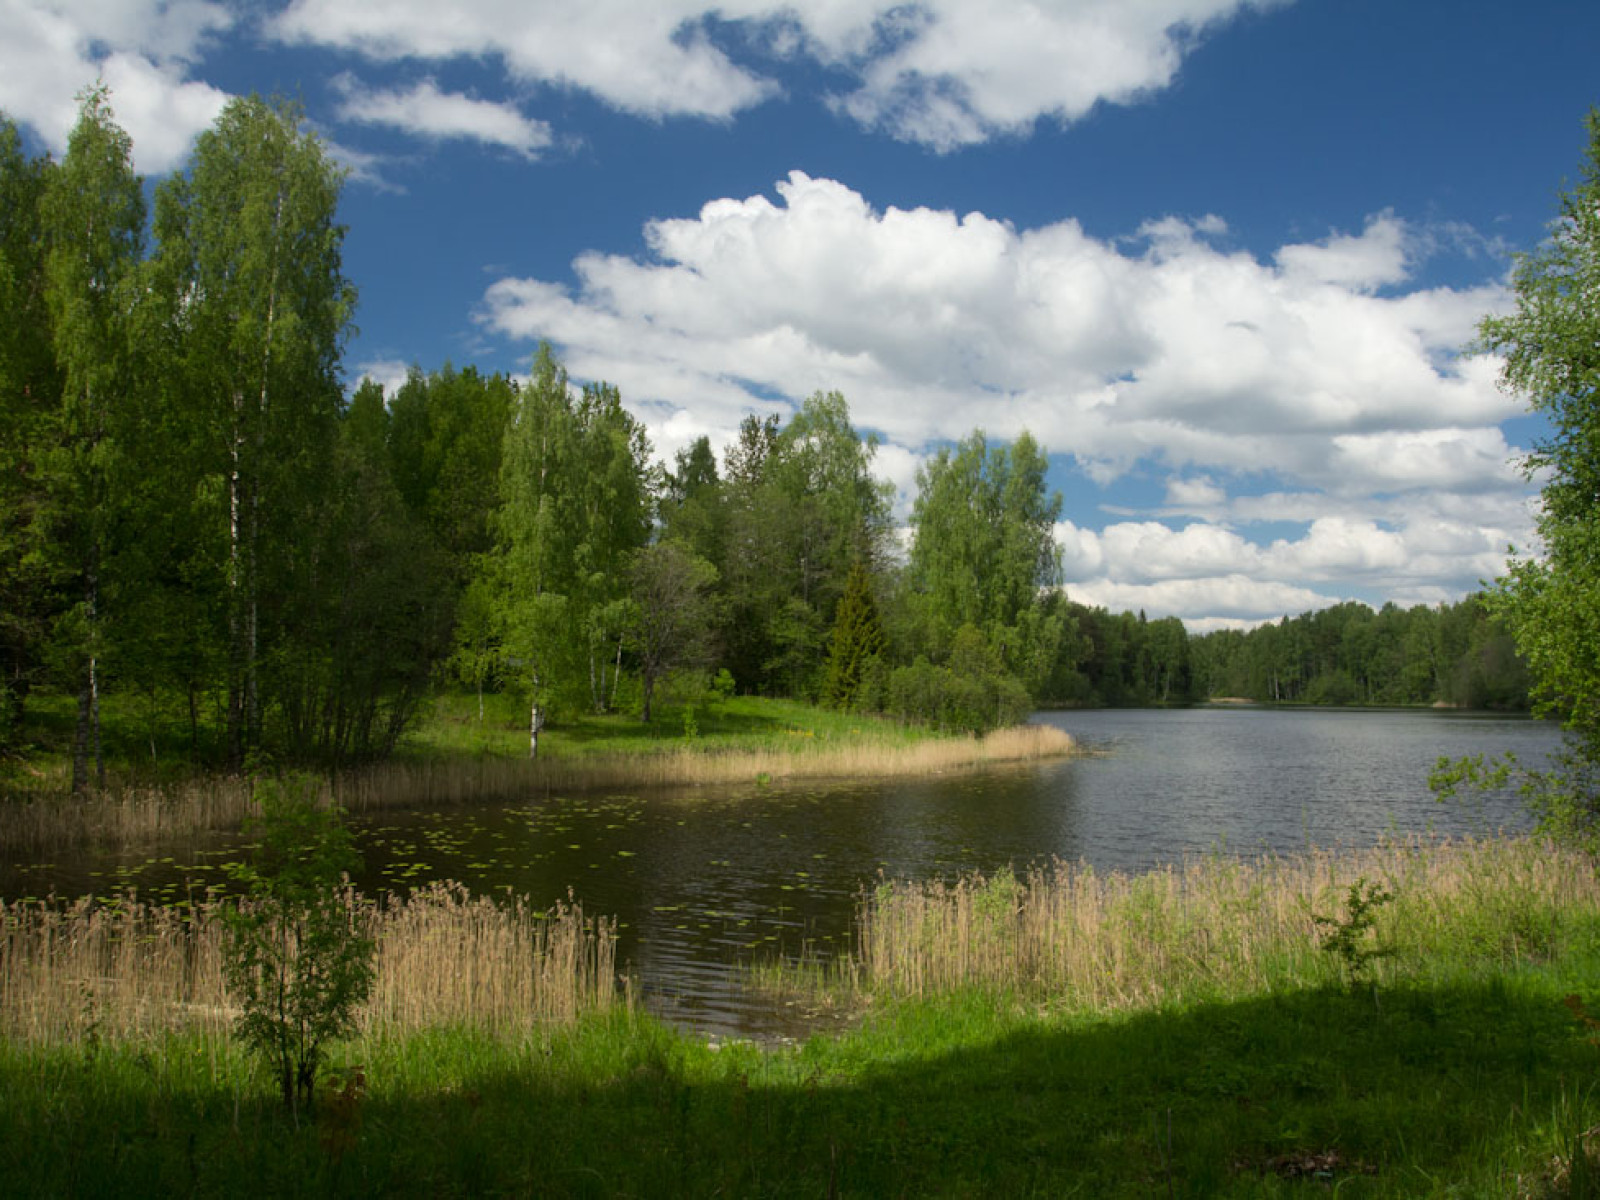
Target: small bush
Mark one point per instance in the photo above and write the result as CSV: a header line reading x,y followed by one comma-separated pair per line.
x,y
1346,937
297,959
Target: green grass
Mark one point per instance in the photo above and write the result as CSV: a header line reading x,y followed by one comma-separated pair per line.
x,y
1464,1070
1467,1088
451,727
147,740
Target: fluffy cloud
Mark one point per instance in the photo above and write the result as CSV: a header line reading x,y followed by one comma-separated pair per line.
x,y
651,59
1312,366
955,72
143,49
944,73
388,373
1209,573
932,323
433,114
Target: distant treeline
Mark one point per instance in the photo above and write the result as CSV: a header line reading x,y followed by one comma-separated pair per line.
x,y
1453,654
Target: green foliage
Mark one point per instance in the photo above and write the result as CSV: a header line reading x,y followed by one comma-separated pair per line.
x,y
1551,602
1561,798
856,644
694,504
575,497
984,535
801,506
92,220
1457,654
671,620
1347,937
983,565
250,310
297,959
30,388
973,693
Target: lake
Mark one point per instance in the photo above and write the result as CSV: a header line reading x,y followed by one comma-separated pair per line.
x,y
703,882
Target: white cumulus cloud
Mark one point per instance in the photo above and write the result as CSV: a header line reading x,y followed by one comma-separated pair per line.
x,y
143,50
944,73
933,323
429,112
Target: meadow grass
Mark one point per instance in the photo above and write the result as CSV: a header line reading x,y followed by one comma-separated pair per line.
x,y
1180,1033
741,740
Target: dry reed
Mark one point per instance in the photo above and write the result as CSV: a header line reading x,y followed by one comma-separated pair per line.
x,y
129,969
1212,926
30,824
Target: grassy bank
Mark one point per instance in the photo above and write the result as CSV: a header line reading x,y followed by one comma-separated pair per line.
x,y
1123,1054
456,757
1218,927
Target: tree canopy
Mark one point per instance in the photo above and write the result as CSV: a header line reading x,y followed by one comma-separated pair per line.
x,y
1550,345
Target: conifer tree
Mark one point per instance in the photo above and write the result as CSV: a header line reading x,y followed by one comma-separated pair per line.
x,y
857,640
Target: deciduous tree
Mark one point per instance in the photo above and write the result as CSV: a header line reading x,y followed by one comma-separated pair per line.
x,y
251,267
1550,345
93,218
673,619
30,391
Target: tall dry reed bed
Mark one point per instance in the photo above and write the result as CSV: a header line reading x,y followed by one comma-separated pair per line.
x,y
129,969
1217,926
121,816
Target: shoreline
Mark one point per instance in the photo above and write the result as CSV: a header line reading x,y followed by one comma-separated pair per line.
x,y
127,816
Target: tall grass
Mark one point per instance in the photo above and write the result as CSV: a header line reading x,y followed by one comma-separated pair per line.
x,y
1216,927
127,815
130,970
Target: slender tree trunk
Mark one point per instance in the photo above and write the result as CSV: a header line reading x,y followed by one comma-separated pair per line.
x,y
94,721
236,655
87,732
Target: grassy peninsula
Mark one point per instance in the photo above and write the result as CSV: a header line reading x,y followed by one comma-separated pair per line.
x,y
460,752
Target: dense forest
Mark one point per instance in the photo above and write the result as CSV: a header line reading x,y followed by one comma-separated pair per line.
x,y
1452,654
196,516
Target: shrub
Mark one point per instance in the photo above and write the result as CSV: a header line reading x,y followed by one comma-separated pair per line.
x,y
298,960
973,693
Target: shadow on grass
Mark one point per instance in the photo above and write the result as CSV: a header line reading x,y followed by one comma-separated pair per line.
x,y
668,722
1425,1090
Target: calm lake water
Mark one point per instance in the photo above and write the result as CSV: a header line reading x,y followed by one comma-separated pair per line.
x,y
705,882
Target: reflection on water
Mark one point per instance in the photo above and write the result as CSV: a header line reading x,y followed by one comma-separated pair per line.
x,y
703,883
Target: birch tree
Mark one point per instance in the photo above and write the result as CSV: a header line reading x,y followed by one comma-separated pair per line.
x,y
252,255
93,224
575,493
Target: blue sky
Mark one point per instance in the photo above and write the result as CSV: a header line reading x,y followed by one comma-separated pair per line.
x,y
1219,257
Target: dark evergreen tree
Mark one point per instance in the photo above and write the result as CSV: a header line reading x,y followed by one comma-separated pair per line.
x,y
857,643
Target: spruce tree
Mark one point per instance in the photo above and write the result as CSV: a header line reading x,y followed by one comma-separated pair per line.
x,y
857,640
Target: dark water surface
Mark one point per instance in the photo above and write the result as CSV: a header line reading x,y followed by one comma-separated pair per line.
x,y
703,883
